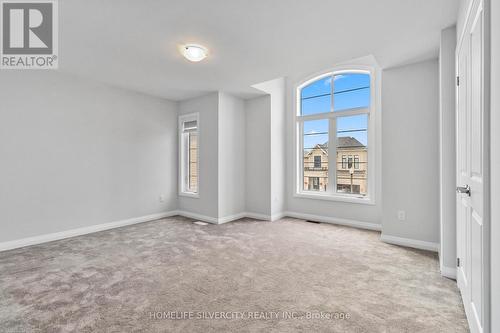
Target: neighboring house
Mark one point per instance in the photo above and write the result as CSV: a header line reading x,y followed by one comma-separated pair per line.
x,y
351,167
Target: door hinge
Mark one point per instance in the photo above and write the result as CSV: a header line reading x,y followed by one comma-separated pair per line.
x,y
458,262
458,80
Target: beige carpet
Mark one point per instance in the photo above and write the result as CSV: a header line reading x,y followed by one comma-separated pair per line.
x,y
244,276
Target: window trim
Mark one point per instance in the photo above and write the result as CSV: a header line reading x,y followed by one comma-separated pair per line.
x,y
181,166
297,124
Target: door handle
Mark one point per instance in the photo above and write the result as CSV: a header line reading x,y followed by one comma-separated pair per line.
x,y
464,189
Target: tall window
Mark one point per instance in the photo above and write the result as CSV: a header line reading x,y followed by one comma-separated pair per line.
x,y
333,113
188,151
317,161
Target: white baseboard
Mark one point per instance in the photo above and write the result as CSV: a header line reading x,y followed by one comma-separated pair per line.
x,y
210,219
264,217
197,216
258,216
417,244
335,220
277,216
9,245
230,218
449,272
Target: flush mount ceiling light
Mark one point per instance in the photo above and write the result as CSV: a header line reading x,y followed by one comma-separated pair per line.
x,y
194,52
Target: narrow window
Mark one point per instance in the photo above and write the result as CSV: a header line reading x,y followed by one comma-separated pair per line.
x,y
189,154
333,116
317,161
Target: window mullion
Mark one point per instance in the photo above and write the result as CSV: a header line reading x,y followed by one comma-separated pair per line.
x,y
332,155
332,144
315,117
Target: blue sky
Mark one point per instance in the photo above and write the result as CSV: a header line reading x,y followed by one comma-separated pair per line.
x,y
316,98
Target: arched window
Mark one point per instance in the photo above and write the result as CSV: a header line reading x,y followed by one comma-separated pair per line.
x,y
334,133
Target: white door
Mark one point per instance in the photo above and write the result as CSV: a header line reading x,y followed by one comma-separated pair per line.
x,y
471,237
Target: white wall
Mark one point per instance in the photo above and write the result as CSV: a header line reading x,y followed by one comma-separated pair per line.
x,y
222,166
258,155
495,166
231,155
410,159
77,153
277,117
207,204
447,149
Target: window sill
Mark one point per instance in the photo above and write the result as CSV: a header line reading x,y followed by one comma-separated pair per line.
x,y
189,194
335,197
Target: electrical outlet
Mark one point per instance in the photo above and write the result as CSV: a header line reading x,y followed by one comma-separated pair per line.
x,y
161,198
401,215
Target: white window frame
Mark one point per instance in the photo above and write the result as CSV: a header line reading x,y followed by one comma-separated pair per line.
x,y
298,121
183,168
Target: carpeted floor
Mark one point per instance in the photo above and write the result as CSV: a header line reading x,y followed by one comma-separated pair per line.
x,y
244,276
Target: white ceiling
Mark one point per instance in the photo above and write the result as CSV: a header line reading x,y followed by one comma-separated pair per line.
x,y
133,44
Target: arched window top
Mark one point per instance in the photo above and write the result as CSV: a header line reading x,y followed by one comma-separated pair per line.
x,y
337,91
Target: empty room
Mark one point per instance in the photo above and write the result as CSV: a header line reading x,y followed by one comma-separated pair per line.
x,y
250,166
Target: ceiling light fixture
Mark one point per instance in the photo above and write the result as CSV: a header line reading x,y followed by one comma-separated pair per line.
x,y
194,52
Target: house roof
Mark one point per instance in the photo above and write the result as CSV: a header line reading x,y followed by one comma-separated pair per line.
x,y
348,141
344,142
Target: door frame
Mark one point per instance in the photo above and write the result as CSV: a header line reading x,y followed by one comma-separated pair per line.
x,y
469,20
